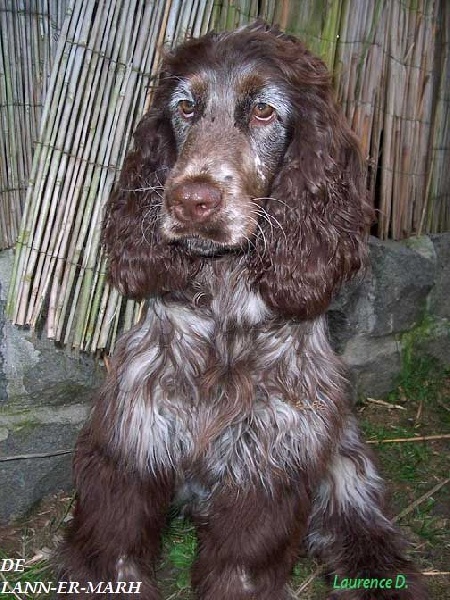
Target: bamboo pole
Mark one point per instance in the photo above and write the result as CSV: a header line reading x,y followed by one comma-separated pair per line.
x,y
26,52
141,49
86,163
20,285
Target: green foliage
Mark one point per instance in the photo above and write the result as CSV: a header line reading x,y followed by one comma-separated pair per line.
x,y
427,525
422,377
404,461
180,545
37,573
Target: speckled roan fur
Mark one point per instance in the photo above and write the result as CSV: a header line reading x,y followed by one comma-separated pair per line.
x,y
238,214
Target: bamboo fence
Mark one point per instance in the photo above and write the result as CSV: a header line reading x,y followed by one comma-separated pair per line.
x,y
389,100
391,65
27,46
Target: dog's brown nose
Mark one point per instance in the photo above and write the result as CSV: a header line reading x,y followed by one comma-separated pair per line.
x,y
194,201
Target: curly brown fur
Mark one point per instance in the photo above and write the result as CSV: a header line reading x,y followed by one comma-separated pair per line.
x,y
237,216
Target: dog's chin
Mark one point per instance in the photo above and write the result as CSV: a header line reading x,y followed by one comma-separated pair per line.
x,y
205,248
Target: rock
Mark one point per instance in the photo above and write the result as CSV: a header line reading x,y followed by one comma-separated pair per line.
x,y
352,312
439,304
45,395
403,278
435,341
391,297
373,363
26,477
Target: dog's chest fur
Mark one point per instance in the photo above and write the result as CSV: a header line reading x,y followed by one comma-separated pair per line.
x,y
223,389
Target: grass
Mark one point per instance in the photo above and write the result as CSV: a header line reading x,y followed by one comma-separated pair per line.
x,y
420,405
427,526
413,468
408,461
27,584
179,546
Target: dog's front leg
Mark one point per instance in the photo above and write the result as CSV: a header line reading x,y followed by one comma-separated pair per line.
x,y
249,541
114,538
350,532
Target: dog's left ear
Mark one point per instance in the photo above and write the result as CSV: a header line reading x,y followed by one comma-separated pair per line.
x,y
318,210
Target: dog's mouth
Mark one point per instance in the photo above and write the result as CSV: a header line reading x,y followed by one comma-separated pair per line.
x,y
209,239
207,248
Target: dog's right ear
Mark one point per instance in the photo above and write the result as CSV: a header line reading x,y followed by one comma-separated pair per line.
x,y
141,263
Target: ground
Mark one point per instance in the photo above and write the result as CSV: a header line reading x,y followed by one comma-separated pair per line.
x,y
417,473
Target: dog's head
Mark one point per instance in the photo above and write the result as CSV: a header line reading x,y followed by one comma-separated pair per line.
x,y
243,152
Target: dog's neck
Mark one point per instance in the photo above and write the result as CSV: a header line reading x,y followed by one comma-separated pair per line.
x,y
222,291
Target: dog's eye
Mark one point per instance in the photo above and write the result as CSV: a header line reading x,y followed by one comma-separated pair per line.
x,y
186,108
262,114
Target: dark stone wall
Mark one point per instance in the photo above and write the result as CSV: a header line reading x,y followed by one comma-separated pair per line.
x,y
405,290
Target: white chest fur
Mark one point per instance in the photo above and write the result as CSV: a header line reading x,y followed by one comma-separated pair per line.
x,y
234,388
